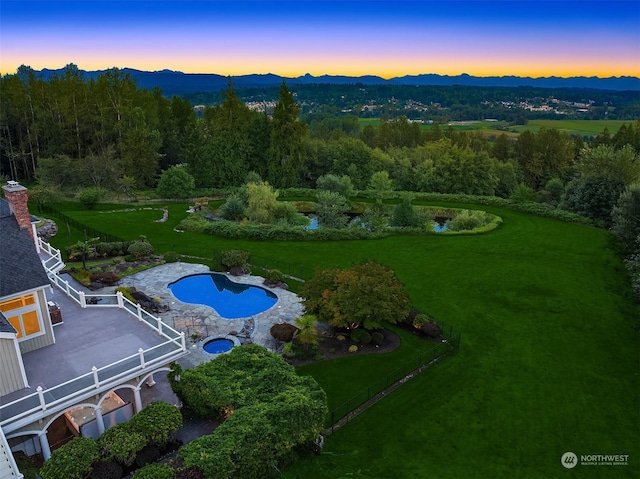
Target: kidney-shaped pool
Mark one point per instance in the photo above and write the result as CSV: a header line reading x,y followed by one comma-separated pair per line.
x,y
230,300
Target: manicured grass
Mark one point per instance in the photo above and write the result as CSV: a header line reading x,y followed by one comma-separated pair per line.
x,y
344,378
548,361
574,127
582,128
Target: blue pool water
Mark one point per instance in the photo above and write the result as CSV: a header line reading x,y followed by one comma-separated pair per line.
x,y
314,223
230,300
218,346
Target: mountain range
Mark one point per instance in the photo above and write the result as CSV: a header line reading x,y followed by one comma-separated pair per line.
x,y
179,83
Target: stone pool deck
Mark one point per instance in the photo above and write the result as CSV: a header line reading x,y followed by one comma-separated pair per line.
x,y
203,320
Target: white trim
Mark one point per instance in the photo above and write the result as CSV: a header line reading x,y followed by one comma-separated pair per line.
x,y
34,232
49,322
4,445
25,380
23,293
24,310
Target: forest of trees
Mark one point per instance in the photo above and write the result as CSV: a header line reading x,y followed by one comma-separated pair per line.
x,y
69,133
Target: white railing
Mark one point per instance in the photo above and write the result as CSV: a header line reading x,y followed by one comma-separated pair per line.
x,y
48,400
54,263
117,300
12,466
87,384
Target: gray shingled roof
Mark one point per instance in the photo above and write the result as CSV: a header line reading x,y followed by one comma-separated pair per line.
x,y
20,266
5,325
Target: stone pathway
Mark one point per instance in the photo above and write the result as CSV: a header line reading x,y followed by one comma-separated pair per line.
x,y
203,320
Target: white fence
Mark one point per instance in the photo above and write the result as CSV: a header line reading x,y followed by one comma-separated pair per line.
x,y
44,401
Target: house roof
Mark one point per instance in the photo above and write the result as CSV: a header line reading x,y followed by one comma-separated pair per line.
x,y
5,325
20,266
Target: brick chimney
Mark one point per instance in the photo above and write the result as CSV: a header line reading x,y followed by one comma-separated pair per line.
x,y
16,196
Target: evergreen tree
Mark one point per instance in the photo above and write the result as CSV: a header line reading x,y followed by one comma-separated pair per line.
x,y
286,141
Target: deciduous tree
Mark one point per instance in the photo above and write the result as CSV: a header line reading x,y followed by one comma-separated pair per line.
x,y
367,295
626,218
176,182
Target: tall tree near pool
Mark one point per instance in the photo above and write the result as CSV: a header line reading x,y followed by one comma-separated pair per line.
x,y
368,295
286,141
228,146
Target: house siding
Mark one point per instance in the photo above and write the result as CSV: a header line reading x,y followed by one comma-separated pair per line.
x,y
10,374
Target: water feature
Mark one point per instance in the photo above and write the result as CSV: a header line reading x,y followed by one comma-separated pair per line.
x,y
218,346
231,300
440,224
314,223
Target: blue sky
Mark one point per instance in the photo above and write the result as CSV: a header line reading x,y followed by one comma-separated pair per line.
x,y
290,38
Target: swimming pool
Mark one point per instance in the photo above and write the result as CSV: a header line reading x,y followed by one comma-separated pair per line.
x,y
231,300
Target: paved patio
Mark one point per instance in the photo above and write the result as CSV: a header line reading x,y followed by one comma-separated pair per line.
x,y
203,320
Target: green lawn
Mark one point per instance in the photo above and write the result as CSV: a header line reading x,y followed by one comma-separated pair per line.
x,y
575,127
572,127
548,361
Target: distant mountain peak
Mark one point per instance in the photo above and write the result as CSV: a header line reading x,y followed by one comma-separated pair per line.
x,y
173,82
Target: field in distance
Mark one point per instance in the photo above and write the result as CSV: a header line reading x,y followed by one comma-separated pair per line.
x,y
493,128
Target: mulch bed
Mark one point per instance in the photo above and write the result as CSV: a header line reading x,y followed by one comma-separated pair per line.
x,y
332,348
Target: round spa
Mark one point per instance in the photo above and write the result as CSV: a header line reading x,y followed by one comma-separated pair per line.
x,y
215,345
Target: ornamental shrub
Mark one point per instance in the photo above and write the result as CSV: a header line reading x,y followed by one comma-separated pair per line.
x,y
140,249
234,258
421,319
289,350
90,197
106,469
331,209
404,214
72,460
353,348
286,212
274,275
121,443
157,422
193,222
467,220
377,337
155,471
126,292
116,248
360,336
278,413
233,209
171,257
176,182
230,229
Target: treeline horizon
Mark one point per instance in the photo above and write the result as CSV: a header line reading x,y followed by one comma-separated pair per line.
x,y
70,133
439,103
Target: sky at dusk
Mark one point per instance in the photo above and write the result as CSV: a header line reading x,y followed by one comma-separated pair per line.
x,y
292,38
